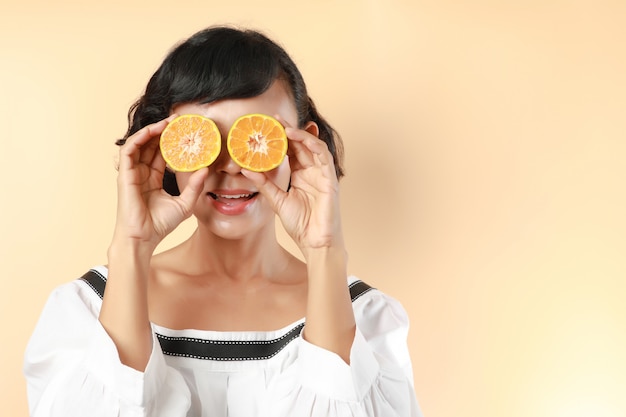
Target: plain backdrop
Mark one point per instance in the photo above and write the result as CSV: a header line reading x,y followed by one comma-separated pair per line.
x,y
485,146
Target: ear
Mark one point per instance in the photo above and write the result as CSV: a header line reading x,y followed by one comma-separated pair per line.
x,y
312,128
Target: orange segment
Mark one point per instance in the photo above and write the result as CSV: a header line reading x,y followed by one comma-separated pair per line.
x,y
257,142
190,142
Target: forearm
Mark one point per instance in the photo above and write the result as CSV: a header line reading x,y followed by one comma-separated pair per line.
x,y
124,313
330,320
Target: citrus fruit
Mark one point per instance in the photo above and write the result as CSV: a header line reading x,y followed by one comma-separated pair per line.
x,y
257,142
190,142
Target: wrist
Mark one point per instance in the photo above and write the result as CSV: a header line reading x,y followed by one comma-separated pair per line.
x,y
124,312
335,254
327,263
129,249
330,322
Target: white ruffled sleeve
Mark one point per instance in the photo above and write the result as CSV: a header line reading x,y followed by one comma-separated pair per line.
x,y
72,366
378,382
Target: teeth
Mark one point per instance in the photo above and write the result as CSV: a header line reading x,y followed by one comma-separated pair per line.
x,y
231,196
234,196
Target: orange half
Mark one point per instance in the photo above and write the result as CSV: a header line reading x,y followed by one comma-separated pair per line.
x,y
257,142
190,142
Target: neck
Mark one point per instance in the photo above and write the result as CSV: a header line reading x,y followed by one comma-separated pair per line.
x,y
247,258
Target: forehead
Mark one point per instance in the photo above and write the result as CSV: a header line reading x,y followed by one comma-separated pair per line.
x,y
276,100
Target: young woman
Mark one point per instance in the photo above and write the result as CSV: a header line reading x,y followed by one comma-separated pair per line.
x,y
228,323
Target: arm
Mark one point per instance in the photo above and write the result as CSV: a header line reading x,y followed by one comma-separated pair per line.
x,y
145,215
342,369
72,367
329,318
310,213
376,383
86,356
124,313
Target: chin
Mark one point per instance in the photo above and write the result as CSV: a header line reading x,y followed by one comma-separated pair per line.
x,y
238,228
225,230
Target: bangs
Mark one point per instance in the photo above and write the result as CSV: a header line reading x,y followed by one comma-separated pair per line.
x,y
207,68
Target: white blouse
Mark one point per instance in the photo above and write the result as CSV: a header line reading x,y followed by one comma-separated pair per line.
x,y
73,369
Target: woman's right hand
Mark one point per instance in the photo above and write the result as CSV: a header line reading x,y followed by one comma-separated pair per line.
x,y
145,212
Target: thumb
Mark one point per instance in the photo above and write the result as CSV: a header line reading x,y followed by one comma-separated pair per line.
x,y
192,190
272,193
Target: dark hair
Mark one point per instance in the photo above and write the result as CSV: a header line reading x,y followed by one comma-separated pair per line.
x,y
225,63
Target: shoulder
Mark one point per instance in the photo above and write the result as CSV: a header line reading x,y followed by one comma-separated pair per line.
x,y
95,279
84,292
70,306
358,288
372,304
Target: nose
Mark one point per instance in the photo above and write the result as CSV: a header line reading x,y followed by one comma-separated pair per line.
x,y
224,163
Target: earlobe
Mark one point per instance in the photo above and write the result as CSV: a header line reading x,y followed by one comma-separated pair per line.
x,y
312,128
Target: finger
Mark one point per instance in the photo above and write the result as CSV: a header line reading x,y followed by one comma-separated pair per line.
x,y
297,135
301,155
298,140
147,132
272,193
130,151
312,150
192,190
313,143
149,150
282,121
295,150
157,171
159,163
152,147
293,160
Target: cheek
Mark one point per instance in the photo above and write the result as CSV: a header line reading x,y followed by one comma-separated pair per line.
x,y
281,176
182,178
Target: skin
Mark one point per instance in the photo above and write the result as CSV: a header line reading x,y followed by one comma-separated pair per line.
x,y
231,274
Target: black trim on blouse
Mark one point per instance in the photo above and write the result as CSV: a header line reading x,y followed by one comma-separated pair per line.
x,y
222,350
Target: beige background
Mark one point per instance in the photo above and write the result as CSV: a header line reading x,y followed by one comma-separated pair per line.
x,y
485,157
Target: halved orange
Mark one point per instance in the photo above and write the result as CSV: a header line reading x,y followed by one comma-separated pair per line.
x,y
257,142
190,142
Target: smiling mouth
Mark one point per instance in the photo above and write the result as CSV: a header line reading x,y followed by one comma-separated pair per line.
x,y
232,198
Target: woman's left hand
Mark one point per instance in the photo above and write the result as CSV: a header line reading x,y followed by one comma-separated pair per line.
x,y
309,210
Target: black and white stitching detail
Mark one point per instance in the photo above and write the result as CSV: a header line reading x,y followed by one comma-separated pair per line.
x,y
220,350
227,342
358,289
92,287
96,281
99,274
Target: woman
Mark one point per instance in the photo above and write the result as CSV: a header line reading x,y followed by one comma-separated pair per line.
x,y
228,323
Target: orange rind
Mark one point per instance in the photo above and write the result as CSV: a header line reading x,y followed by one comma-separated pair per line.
x,y
257,142
190,142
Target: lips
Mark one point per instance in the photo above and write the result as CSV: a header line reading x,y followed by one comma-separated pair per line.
x,y
232,202
232,198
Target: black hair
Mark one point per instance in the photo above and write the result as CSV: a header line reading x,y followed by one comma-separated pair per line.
x,y
225,63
